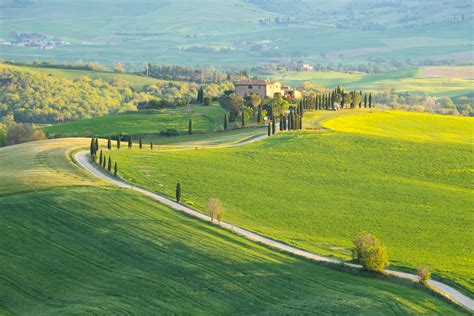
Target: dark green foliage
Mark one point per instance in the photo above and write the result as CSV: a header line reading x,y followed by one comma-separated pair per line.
x,y
370,100
92,148
178,192
190,127
100,158
151,145
365,100
103,161
129,142
273,125
269,129
200,96
207,101
109,143
281,122
140,143
259,114
115,169
118,142
96,145
301,122
225,122
109,164
243,118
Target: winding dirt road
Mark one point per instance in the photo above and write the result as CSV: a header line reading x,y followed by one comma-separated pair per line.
x,y
82,158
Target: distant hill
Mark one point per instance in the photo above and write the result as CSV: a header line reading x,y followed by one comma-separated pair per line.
x,y
236,33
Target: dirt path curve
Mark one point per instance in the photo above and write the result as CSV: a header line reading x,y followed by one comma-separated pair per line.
x,y
82,158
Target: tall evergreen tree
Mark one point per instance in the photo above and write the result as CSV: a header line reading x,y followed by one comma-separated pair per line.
x,y
370,100
225,122
273,125
92,148
140,144
269,130
281,122
301,122
129,142
109,143
190,127
151,145
243,118
109,164
365,100
115,169
103,162
118,141
178,192
100,158
96,146
200,96
259,114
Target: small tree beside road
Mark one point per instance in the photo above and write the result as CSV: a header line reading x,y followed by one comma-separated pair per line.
x,y
370,252
215,209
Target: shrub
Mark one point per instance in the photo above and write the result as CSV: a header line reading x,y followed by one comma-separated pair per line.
x,y
169,132
424,275
215,209
370,253
207,101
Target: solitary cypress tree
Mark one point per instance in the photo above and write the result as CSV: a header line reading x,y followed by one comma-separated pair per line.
x,y
243,118
273,125
151,145
259,114
370,100
129,142
109,165
269,130
115,169
225,122
109,143
200,96
140,144
178,192
190,127
100,158
118,142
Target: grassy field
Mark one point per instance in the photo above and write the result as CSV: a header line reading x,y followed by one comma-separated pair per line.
x,y
450,81
205,119
317,190
71,244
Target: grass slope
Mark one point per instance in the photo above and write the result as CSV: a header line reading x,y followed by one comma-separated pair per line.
x,y
317,190
80,246
453,83
205,119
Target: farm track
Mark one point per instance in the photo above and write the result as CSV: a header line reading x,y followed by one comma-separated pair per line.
x,y
82,159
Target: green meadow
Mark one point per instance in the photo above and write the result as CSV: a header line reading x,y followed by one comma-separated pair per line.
x,y
316,190
205,119
72,244
444,82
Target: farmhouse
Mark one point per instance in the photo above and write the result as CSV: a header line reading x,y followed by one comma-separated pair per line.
x,y
264,89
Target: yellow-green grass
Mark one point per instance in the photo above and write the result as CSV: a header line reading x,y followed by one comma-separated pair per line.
x,y
317,190
407,126
205,119
78,246
73,74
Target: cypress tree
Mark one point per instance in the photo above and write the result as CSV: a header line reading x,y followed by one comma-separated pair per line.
x,y
281,122
273,125
140,144
100,158
243,118
151,145
109,143
370,100
118,142
178,192
365,100
269,130
115,169
225,122
284,123
103,162
92,148
259,114
96,146
129,142
109,165
190,127
301,122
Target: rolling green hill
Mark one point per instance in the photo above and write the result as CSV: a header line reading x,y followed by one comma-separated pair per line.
x,y
71,244
205,119
317,190
243,33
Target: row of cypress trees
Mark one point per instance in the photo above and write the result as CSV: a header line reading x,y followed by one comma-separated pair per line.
x,y
337,98
104,162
